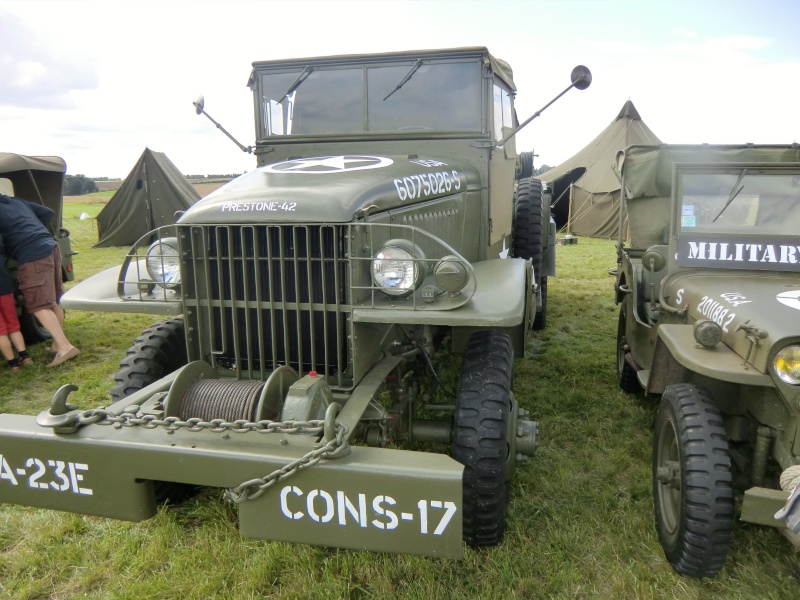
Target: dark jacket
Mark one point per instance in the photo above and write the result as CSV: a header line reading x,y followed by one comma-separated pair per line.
x,y
23,226
6,285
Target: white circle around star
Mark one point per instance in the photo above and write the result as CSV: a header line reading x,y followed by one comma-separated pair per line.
x,y
790,299
321,165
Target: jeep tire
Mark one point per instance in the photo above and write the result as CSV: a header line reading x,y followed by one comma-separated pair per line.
x,y
626,374
158,351
480,423
692,481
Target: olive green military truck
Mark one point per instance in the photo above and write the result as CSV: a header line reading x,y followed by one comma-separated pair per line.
x,y
709,293
390,215
38,179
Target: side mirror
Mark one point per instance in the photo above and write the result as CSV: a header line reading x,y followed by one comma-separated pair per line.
x,y
581,77
200,103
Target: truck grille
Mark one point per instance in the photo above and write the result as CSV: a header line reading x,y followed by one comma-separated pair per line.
x,y
261,296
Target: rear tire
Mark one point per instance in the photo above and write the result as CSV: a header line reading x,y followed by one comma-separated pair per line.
x,y
692,481
158,351
528,229
479,434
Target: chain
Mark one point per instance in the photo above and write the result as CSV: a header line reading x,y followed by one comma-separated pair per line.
x,y
253,488
129,418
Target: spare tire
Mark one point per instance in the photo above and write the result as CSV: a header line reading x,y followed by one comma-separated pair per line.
x,y
528,230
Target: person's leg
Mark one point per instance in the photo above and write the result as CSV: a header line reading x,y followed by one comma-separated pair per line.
x,y
19,343
5,348
42,300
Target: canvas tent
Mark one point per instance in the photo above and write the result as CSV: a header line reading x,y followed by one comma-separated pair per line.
x,y
151,195
586,189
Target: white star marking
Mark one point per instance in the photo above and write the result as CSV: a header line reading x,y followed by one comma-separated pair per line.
x,y
328,164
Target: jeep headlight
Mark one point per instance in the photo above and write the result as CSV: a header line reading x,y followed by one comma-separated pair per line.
x,y
163,263
398,268
787,365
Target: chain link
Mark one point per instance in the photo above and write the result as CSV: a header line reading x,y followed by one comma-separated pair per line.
x,y
253,488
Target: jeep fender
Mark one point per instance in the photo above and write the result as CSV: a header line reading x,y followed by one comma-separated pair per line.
x,y
677,352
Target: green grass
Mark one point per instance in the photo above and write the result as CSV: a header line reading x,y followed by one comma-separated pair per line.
x,y
580,523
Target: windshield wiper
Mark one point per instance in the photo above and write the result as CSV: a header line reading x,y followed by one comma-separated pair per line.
x,y
733,194
300,79
405,79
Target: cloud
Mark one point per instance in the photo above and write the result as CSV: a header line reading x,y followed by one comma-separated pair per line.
x,y
33,71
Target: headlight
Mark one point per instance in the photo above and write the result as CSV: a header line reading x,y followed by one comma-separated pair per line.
x,y
163,263
398,268
787,365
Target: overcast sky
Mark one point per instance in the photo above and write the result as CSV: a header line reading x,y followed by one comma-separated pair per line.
x,y
97,82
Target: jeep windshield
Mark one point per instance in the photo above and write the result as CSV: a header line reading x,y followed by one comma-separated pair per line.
x,y
745,201
739,219
356,99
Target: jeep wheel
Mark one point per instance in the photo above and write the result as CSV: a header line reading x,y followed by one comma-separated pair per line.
x,y
32,330
479,434
692,481
626,374
528,234
158,351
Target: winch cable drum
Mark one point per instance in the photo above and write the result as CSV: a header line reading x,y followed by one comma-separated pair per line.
x,y
197,393
210,399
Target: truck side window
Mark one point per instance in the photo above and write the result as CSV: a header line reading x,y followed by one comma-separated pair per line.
x,y
502,112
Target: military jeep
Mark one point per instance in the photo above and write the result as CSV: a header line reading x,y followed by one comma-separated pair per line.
x,y
38,179
709,292
310,300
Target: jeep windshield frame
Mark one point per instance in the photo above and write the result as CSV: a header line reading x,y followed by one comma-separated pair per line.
x,y
363,97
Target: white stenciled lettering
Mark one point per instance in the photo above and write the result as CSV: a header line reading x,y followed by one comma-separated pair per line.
x,y
345,506
377,506
76,477
679,297
327,500
6,472
290,489
343,509
697,250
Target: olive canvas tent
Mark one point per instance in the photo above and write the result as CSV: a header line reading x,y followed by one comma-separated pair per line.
x,y
152,195
586,188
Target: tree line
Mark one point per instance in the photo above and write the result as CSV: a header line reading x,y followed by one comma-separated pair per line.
x,y
78,185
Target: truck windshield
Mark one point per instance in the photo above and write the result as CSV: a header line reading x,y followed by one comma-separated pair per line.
x,y
440,96
750,200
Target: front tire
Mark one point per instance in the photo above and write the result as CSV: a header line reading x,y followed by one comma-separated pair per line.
x,y
158,351
692,481
626,374
479,435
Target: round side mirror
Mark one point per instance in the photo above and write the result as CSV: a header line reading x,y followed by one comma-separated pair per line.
x,y
200,103
581,77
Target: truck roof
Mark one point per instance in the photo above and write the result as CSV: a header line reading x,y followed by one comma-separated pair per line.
x,y
499,67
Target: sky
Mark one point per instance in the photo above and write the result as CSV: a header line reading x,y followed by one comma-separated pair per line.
x,y
97,82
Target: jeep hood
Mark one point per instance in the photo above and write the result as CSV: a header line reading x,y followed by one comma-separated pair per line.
x,y
331,189
769,302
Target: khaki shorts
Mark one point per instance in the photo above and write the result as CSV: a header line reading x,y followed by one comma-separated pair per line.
x,y
40,282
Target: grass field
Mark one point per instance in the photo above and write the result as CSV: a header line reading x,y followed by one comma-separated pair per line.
x,y
580,523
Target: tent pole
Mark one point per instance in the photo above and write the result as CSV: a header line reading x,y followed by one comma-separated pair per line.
x,y
569,213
